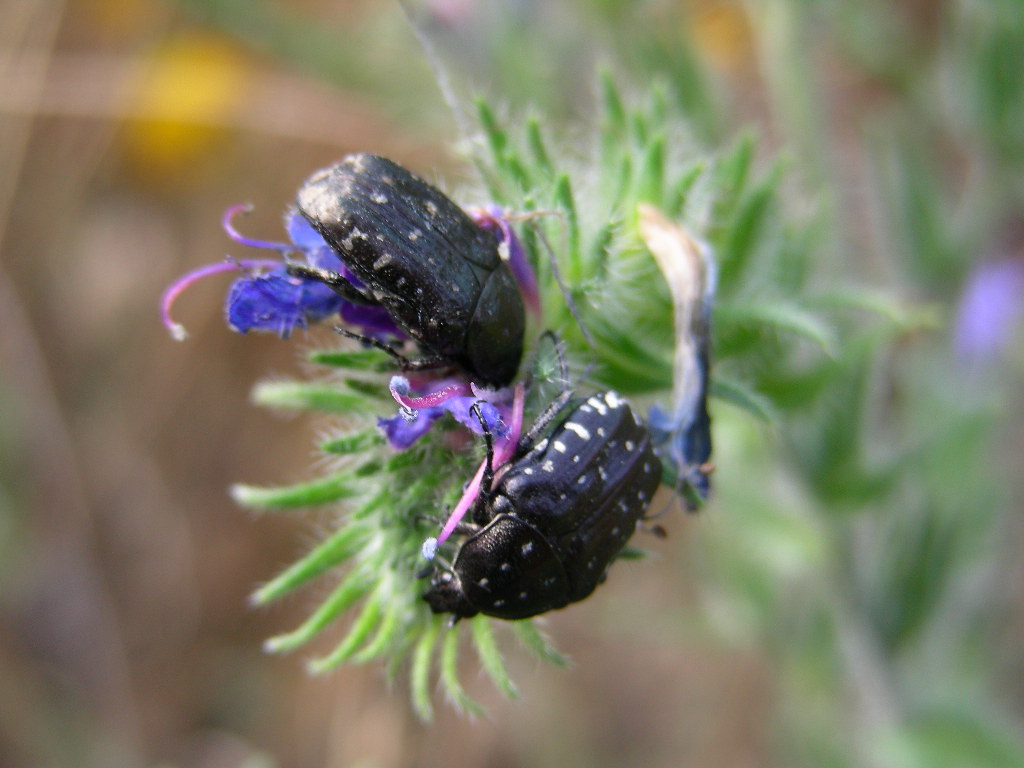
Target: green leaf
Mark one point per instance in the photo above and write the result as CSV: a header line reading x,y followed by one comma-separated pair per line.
x,y
651,180
538,643
742,396
370,359
375,390
744,233
357,442
307,397
781,316
310,494
419,674
364,624
351,588
535,141
388,629
490,656
453,689
339,546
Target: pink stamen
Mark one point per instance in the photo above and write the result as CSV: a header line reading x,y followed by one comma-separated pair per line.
x,y
177,331
468,497
504,448
238,237
400,391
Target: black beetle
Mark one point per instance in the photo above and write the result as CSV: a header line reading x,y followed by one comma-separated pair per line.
x,y
546,534
417,254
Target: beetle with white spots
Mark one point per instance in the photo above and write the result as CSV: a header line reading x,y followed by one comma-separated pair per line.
x,y
545,535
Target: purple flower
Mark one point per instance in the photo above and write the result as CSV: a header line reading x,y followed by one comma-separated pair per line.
x,y
418,413
267,298
991,305
504,448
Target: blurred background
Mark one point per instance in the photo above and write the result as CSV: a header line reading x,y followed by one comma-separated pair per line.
x,y
128,126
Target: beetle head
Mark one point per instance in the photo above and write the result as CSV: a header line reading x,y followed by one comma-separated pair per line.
x,y
446,595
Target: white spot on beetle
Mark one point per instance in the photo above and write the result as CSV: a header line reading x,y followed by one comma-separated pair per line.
x,y
416,234
539,447
579,429
498,603
527,548
548,466
582,479
559,446
431,208
484,582
601,432
613,399
598,404
505,567
355,234
379,198
528,471
503,252
630,446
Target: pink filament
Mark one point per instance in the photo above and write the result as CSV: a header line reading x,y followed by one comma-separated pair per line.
x,y
176,288
503,451
238,237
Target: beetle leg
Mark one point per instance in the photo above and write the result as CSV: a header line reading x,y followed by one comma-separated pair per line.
x,y
333,280
405,363
526,441
480,506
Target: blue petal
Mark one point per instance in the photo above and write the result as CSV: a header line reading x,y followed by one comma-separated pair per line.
x,y
402,433
459,407
685,442
279,303
372,321
301,232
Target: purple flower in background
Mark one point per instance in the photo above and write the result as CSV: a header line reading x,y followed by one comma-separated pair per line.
x,y
991,305
267,298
